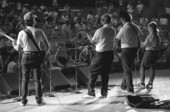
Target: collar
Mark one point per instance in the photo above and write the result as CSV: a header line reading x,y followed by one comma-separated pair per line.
x,y
126,23
106,25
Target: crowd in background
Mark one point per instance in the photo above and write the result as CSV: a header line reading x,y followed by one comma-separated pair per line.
x,y
65,25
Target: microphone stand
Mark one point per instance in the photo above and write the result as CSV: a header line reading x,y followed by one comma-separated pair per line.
x,y
76,68
50,93
18,99
136,63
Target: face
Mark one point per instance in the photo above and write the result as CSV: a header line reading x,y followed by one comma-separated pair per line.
x,y
102,21
34,21
150,29
122,20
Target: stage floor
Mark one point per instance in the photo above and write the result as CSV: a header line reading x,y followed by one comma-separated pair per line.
x,y
115,102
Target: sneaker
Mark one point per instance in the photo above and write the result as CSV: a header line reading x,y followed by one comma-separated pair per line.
x,y
139,86
125,92
149,86
89,95
41,102
23,102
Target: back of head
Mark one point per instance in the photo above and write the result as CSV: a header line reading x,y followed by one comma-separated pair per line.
x,y
153,25
126,16
29,18
106,19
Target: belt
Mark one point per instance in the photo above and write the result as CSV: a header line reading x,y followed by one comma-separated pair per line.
x,y
31,52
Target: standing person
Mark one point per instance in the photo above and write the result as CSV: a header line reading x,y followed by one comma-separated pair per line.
x,y
31,58
101,63
129,37
152,46
140,8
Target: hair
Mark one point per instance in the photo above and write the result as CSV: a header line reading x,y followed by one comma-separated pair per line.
x,y
126,16
153,25
30,21
106,18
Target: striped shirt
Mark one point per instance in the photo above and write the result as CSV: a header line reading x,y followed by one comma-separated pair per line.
x,y
152,42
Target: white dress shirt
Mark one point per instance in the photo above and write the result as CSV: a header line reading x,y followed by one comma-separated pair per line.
x,y
103,38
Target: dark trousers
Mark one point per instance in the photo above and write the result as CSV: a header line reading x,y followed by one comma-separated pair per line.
x,y
148,61
31,63
128,56
100,65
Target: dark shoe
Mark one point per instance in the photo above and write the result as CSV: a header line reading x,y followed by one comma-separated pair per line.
x,y
104,94
40,102
139,86
23,102
149,86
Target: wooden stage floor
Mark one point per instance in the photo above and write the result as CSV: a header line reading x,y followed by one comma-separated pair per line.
x,y
71,102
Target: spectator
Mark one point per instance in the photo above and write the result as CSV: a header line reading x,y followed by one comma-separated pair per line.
x,y
4,4
12,67
67,7
78,25
66,29
90,17
140,8
130,8
48,26
26,8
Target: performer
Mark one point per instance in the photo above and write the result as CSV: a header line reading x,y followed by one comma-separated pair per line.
x,y
152,46
32,57
101,63
129,36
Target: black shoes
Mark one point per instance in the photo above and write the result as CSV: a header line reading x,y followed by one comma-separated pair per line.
x,y
149,86
104,94
40,101
23,102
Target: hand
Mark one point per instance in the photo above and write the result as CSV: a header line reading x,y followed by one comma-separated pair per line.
x,y
14,43
141,45
116,48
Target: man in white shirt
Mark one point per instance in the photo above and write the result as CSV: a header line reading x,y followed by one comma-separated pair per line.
x,y
101,63
32,56
129,36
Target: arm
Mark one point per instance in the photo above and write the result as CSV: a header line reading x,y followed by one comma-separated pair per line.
x,y
94,39
117,40
90,38
17,44
146,42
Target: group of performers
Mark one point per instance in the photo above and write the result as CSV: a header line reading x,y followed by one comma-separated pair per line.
x,y
33,41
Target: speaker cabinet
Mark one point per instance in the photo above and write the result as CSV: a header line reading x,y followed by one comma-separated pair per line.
x,y
9,83
84,76
58,80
